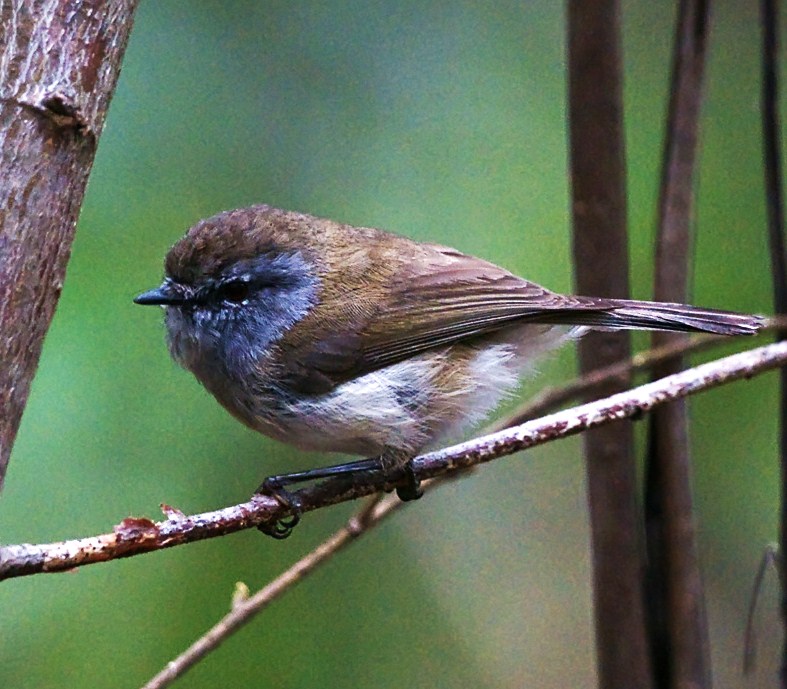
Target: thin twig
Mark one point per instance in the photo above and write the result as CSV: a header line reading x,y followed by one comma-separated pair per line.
x,y
242,612
135,536
770,557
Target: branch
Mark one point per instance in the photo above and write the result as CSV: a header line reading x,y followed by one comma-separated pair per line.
x,y
135,536
59,63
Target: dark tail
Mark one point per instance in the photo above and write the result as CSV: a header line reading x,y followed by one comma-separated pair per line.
x,y
653,315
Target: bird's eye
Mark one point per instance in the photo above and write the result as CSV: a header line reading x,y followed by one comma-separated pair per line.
x,y
236,291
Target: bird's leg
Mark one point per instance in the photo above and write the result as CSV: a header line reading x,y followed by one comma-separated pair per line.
x,y
272,484
276,487
392,463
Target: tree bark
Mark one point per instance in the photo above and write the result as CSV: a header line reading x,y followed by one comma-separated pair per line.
x,y
59,64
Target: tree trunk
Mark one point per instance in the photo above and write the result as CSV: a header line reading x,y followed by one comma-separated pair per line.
x,y
59,64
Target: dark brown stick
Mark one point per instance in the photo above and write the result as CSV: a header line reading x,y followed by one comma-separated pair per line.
x,y
677,620
59,63
597,153
774,203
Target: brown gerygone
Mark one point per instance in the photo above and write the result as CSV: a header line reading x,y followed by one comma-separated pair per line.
x,y
351,339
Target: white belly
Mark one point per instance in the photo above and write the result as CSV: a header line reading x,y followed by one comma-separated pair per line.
x,y
401,407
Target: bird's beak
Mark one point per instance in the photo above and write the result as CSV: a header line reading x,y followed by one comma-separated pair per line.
x,y
161,296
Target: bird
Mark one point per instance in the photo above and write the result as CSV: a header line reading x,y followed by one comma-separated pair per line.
x,y
355,340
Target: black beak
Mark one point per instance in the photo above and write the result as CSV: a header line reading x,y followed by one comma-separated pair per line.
x,y
160,296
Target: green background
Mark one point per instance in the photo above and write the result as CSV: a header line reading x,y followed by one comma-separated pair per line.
x,y
440,120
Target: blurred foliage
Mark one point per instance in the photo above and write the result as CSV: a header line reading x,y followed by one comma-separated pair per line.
x,y
441,120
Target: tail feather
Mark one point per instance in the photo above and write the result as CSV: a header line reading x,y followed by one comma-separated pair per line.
x,y
652,315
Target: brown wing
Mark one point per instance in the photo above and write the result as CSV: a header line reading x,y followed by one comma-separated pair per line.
x,y
402,298
464,298
437,297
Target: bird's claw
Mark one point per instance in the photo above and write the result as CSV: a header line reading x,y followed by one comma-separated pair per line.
x,y
280,528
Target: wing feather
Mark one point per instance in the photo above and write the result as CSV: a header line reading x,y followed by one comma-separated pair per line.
x,y
436,299
434,296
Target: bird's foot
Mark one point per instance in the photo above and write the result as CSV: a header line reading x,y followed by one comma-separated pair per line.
x,y
280,529
276,487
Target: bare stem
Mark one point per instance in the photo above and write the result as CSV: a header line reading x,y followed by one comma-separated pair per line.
x,y
774,204
770,558
597,155
676,601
